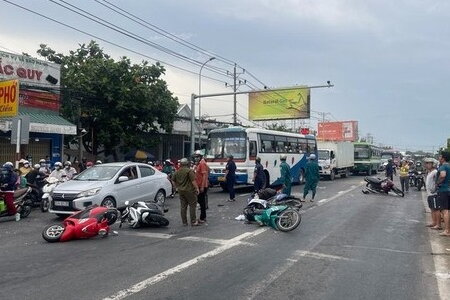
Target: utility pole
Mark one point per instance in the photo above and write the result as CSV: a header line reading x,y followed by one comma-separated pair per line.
x,y
234,96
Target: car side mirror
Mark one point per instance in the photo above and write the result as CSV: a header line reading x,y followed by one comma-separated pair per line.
x,y
122,179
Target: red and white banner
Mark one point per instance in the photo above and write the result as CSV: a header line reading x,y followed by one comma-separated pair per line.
x,y
39,99
338,131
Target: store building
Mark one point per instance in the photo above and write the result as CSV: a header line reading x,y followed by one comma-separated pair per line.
x,y
39,86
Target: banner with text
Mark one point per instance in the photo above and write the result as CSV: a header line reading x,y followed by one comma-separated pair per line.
x,y
279,104
338,131
9,98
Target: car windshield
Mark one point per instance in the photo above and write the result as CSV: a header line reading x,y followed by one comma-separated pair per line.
x,y
324,154
222,144
98,173
361,152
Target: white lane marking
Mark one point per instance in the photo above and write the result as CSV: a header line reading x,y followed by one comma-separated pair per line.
x,y
441,265
322,256
382,249
339,194
149,234
163,275
208,240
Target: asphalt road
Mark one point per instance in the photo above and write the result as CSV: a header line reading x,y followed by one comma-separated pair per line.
x,y
348,246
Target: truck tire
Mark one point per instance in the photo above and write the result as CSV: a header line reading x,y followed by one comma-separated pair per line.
x,y
345,174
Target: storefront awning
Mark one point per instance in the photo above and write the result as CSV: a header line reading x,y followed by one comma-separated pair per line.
x,y
42,121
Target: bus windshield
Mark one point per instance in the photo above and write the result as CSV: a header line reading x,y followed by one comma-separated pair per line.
x,y
361,152
222,144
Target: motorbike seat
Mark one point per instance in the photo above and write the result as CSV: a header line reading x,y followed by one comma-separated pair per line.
x,y
20,192
374,180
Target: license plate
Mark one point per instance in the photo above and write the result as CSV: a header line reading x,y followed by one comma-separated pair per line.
x,y
222,178
61,203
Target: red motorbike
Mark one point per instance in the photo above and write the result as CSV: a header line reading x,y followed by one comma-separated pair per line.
x,y
377,185
93,221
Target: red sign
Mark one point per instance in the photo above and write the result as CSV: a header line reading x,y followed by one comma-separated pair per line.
x,y
338,131
304,131
39,99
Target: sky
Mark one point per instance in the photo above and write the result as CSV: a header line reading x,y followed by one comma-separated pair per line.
x,y
388,60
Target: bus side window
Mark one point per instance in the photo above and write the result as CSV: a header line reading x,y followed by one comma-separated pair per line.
x,y
303,145
253,150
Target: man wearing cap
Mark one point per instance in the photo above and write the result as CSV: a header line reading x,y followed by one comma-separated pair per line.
x,y
311,176
184,179
201,177
286,177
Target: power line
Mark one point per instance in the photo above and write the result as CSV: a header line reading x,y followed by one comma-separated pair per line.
x,y
162,32
134,36
109,42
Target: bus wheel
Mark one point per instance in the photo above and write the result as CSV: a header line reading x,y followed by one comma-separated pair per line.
x,y
223,185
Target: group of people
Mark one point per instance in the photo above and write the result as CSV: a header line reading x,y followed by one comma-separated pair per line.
x,y
12,179
192,186
438,191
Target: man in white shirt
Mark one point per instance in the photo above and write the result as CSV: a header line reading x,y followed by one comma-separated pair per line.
x,y
433,201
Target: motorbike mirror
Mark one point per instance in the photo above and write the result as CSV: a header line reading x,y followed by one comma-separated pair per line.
x,y
127,202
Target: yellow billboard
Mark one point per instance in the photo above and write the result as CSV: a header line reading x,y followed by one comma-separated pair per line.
x,y
9,98
279,104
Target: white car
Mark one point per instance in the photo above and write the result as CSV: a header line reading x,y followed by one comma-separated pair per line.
x,y
110,185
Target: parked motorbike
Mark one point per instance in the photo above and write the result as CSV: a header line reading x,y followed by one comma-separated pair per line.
x,y
420,180
279,211
22,201
412,178
93,221
377,185
142,213
51,184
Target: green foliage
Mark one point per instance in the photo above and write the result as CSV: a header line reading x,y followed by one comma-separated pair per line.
x,y
117,102
278,127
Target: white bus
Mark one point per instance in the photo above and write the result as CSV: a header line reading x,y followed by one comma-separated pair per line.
x,y
245,144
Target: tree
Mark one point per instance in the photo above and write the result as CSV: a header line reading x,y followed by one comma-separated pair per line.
x,y
117,102
278,127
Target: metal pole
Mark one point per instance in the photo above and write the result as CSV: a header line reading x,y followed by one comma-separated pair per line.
x,y
199,100
193,96
19,129
234,96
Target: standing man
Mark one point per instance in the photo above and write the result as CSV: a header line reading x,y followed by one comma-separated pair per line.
x,y
390,170
443,184
230,177
286,177
312,177
201,178
259,178
404,176
184,180
433,203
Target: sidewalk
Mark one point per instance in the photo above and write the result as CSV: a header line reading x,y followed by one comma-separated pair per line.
x,y
441,255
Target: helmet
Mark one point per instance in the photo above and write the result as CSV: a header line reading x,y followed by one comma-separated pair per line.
x,y
7,167
198,153
184,161
42,161
258,159
37,166
283,157
89,164
67,164
26,162
22,161
312,156
8,163
98,162
58,164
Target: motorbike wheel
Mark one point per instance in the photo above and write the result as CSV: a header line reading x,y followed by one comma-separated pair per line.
x,y
288,220
25,211
53,233
163,222
398,191
45,205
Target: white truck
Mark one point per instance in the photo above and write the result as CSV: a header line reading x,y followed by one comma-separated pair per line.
x,y
335,158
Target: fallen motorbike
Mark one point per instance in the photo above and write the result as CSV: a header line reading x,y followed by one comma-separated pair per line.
x,y
420,180
377,185
51,183
22,201
278,211
142,213
93,221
